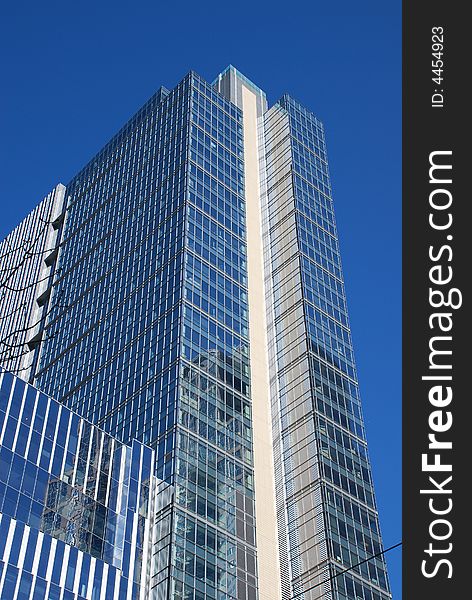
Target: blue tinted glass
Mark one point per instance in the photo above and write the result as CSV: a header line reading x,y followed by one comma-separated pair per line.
x,y
62,428
6,458
25,586
73,434
28,407
16,544
36,513
42,480
23,509
5,390
54,592
44,556
45,454
71,564
33,450
22,440
39,589
16,472
4,527
10,431
10,502
18,392
29,478
57,568
9,584
30,550
57,461
51,423
110,583
40,414
97,581
84,573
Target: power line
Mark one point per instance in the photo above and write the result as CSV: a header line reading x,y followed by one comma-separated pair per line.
x,y
348,569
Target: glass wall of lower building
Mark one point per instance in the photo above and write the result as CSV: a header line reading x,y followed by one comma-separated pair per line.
x,y
79,509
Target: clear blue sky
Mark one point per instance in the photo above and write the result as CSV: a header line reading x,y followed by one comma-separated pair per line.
x,y
74,72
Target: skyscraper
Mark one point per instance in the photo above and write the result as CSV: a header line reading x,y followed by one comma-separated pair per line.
x,y
193,300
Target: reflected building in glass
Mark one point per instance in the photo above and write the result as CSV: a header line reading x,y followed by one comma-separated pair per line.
x,y
194,303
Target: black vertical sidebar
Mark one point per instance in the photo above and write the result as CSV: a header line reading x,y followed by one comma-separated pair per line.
x,y
437,331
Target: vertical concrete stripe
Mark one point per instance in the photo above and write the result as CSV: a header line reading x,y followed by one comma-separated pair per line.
x,y
266,523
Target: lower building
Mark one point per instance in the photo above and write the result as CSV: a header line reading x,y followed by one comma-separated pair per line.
x,y
82,517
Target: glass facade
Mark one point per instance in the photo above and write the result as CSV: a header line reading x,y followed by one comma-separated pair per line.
x,y
215,531
326,510
118,275
78,509
145,332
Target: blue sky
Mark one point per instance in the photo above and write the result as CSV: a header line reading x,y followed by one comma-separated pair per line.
x,y
73,73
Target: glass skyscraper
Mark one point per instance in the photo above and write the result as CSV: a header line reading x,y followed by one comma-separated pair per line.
x,y
187,295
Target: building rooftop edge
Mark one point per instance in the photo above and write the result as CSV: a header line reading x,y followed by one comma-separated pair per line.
x,y
239,75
